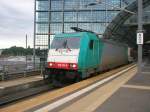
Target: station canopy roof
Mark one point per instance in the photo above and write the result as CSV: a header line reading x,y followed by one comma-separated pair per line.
x,y
118,31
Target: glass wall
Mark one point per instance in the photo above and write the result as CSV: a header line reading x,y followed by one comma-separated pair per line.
x,y
146,17
57,16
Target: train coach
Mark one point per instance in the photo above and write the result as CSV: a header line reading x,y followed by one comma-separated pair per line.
x,y
77,55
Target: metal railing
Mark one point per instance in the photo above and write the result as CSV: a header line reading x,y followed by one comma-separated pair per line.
x,y
12,71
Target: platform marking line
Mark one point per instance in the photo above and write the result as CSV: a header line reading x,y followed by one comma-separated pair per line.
x,y
2,87
146,73
39,77
79,93
137,87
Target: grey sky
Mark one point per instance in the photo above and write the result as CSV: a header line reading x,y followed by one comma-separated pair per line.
x,y
16,19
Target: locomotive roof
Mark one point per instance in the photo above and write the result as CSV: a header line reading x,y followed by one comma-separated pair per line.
x,y
80,34
74,34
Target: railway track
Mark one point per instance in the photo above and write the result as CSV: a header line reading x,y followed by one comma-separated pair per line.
x,y
22,91
43,87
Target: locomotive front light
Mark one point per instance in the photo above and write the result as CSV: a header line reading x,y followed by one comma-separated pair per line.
x,y
74,65
50,64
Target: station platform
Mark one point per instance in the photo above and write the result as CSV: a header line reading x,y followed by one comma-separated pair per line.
x,y
133,96
129,92
19,81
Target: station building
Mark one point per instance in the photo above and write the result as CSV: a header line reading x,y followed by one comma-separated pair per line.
x,y
58,16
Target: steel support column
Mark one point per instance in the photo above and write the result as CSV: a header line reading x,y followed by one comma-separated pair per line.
x,y
49,23
140,30
34,40
63,3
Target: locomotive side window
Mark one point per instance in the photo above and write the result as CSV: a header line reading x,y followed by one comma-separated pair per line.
x,y
91,44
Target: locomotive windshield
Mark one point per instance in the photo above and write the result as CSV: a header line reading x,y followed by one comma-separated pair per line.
x,y
64,43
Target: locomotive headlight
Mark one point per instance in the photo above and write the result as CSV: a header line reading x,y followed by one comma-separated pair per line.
x,y
50,64
74,65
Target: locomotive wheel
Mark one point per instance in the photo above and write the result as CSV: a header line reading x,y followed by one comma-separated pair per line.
x,y
58,79
57,83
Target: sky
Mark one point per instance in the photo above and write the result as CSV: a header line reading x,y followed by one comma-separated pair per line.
x,y
16,20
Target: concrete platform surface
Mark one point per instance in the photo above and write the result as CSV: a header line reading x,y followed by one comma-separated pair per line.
x,y
134,96
19,81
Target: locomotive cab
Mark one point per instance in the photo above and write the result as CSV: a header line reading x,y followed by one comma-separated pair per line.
x,y
63,56
63,53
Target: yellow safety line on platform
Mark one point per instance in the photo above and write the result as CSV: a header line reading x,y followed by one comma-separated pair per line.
x,y
137,87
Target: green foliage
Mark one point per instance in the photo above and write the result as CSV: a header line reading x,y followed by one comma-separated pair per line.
x,y
20,51
17,51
